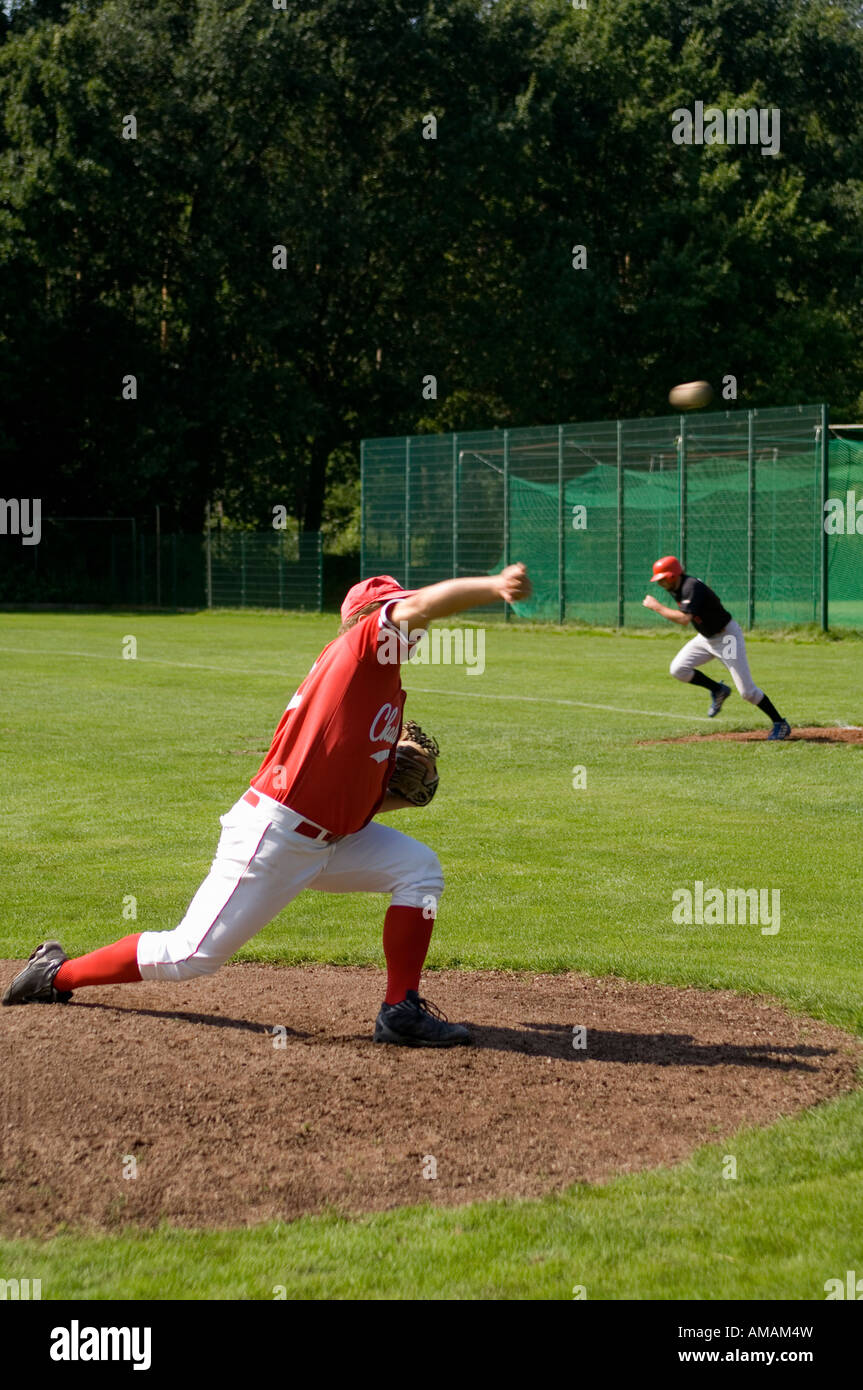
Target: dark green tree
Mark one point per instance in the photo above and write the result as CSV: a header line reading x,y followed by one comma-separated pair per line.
x,y
404,257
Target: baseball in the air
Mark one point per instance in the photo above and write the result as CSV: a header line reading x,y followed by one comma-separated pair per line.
x,y
691,395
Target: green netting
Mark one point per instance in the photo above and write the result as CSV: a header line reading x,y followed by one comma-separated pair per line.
x,y
736,494
845,534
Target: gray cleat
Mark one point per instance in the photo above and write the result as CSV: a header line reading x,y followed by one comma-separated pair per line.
x,y
417,1023
35,983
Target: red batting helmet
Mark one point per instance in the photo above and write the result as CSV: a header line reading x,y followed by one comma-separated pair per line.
x,y
667,568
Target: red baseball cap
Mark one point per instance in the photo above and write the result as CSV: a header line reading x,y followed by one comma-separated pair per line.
x,y
375,590
669,567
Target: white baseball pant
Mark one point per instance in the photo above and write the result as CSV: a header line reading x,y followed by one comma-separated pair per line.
x,y
261,864
729,647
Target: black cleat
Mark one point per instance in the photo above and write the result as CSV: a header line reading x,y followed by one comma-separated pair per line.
x,y
417,1023
35,983
719,698
781,729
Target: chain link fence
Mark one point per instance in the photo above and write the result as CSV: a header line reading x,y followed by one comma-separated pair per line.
x,y
738,496
264,570
108,561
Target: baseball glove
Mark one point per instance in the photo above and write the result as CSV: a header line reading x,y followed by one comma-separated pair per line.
x,y
415,776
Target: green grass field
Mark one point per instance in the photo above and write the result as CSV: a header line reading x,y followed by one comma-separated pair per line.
x,y
115,772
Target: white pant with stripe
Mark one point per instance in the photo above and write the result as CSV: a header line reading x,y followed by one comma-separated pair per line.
x,y
261,864
729,647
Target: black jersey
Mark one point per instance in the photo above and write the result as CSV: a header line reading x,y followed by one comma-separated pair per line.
x,y
702,605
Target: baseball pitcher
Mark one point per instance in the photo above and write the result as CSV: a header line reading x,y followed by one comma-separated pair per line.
x,y
308,819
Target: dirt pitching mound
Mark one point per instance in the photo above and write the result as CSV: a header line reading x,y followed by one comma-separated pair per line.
x,y
812,734
227,1122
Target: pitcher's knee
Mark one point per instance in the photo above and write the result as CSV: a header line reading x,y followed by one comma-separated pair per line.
x,y
422,882
751,694
680,670
429,871
197,965
193,968
164,956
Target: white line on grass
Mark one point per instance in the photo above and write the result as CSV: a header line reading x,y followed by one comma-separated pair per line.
x,y
421,689
552,700
141,660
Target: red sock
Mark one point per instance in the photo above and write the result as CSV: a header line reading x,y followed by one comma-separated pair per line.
x,y
111,965
407,933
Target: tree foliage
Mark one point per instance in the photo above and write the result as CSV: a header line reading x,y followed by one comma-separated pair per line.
x,y
404,257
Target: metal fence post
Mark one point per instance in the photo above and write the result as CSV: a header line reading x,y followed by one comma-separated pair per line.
x,y
561,556
242,569
209,535
320,536
362,509
407,565
681,491
506,518
134,560
825,493
750,523
280,565
158,559
455,504
620,549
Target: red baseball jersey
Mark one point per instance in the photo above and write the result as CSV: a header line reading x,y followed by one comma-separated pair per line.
x,y
333,752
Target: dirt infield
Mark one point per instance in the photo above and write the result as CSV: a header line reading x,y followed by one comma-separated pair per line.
x,y
812,733
230,1123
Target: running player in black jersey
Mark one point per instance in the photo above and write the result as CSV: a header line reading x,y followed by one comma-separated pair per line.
x,y
719,636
